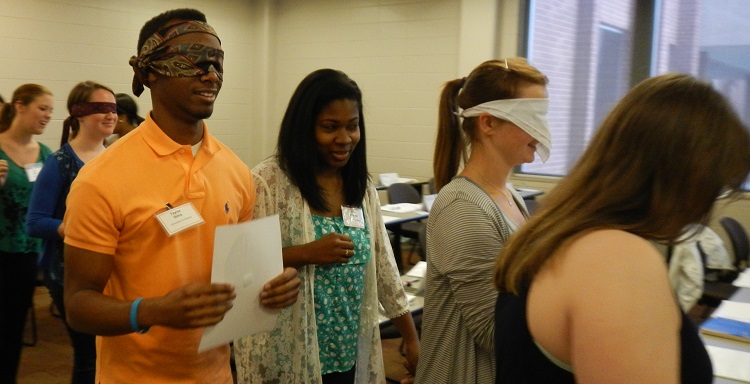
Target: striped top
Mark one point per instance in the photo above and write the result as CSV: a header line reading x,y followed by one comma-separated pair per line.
x,y
465,233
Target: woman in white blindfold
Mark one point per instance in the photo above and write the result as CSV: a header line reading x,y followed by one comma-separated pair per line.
x,y
489,122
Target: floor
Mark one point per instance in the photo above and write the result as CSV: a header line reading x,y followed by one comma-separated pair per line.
x,y
50,360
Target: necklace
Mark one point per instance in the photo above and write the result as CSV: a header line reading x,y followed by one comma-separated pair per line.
x,y
507,196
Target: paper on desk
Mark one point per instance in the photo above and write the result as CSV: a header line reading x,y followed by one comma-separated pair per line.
x,y
730,363
401,207
387,179
733,310
418,270
743,280
246,255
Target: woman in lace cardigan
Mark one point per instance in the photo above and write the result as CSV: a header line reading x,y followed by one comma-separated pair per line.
x,y
332,231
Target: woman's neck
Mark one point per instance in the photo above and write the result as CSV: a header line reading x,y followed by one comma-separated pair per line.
x,y
486,166
332,191
17,134
331,181
87,147
19,145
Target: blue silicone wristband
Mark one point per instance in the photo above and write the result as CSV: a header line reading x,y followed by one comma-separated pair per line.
x,y
134,316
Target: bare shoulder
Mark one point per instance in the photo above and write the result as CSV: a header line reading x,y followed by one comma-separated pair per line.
x,y
604,282
610,249
612,266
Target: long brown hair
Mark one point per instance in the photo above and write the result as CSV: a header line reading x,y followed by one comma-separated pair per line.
x,y
657,163
491,80
81,93
25,94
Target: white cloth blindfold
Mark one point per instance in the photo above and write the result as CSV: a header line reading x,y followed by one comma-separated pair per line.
x,y
529,114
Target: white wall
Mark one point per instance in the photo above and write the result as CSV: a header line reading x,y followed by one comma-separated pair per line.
x,y
58,43
399,51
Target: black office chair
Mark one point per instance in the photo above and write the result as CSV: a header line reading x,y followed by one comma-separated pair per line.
x,y
403,193
717,289
406,193
740,243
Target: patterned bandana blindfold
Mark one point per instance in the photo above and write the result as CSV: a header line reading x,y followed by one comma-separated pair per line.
x,y
177,60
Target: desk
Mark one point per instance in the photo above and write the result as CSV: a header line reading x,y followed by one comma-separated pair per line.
x,y
528,194
393,221
741,295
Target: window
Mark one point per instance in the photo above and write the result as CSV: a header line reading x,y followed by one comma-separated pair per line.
x,y
593,51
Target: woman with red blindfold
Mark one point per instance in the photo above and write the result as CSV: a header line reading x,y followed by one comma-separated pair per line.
x,y
93,116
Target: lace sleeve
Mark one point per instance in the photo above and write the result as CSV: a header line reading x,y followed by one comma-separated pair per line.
x,y
390,289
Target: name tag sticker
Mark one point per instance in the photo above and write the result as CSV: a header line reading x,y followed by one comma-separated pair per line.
x,y
32,171
353,216
177,219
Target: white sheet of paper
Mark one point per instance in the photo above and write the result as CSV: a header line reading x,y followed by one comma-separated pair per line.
x,y
743,280
405,180
401,207
733,310
418,270
388,178
730,363
428,200
246,255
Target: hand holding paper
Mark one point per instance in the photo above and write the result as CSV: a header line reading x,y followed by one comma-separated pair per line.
x,y
282,291
247,255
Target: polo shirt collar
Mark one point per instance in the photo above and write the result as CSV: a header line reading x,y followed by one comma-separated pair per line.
x,y
163,145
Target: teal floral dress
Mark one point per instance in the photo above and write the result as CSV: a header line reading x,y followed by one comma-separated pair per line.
x,y
290,354
338,297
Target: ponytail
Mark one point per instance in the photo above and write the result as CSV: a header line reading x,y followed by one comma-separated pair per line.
x,y
6,115
491,80
450,146
70,124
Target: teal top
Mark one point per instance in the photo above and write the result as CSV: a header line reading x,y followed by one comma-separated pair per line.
x,y
338,297
14,202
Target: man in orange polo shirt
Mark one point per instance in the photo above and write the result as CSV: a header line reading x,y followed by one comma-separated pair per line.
x,y
133,274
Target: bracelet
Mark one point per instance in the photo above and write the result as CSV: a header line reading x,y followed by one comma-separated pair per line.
x,y
134,317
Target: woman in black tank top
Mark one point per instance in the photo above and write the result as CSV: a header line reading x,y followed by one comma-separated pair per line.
x,y
584,295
